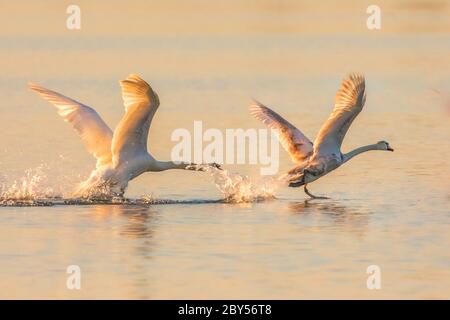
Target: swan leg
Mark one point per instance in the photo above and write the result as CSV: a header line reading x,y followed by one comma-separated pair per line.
x,y
313,196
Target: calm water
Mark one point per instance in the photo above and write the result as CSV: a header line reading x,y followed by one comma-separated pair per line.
x,y
206,61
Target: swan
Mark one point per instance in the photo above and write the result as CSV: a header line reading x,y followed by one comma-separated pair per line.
x,y
121,155
314,160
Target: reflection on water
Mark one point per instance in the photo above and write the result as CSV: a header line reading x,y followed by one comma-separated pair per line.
x,y
138,224
138,219
334,209
220,250
333,215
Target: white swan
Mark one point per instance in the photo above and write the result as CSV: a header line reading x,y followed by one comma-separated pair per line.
x,y
122,155
315,160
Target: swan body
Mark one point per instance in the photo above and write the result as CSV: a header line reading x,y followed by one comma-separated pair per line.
x,y
121,155
314,160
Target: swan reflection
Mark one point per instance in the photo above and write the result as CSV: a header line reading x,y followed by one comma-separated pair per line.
x,y
137,219
332,215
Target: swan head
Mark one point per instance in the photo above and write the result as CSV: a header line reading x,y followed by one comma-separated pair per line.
x,y
383,145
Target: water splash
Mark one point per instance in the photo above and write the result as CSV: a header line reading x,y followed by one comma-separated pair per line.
x,y
102,191
32,189
238,188
28,189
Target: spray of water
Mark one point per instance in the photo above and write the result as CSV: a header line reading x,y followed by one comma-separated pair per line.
x,y
238,188
27,189
33,189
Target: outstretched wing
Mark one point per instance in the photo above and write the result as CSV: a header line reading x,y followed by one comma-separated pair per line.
x,y
94,132
141,103
293,140
350,100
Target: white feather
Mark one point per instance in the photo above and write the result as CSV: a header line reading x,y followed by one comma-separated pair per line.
x,y
94,132
293,140
123,155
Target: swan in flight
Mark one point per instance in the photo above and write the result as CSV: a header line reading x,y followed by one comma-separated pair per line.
x,y
314,160
121,155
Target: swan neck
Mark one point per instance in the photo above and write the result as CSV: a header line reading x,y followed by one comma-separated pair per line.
x,y
360,150
168,165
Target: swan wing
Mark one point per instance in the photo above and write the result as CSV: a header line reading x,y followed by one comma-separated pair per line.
x,y
141,103
350,100
293,140
94,132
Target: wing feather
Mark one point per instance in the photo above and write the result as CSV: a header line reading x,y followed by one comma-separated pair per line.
x,y
141,103
293,140
94,132
350,100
